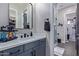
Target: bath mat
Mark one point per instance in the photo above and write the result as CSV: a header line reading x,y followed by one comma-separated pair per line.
x,y
58,51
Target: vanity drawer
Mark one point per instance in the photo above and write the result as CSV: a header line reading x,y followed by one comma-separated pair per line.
x,y
14,51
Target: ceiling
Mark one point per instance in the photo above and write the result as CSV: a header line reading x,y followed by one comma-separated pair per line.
x,y
71,15
64,5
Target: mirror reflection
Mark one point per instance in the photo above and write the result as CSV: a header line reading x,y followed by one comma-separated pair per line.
x,y
20,15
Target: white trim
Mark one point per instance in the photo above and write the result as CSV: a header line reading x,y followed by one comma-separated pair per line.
x,y
22,21
52,29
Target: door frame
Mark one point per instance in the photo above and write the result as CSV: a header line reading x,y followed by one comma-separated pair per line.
x,y
65,21
65,18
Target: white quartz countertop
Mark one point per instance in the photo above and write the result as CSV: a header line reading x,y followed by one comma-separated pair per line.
x,y
21,41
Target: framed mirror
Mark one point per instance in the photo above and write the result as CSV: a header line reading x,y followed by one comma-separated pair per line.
x,y
21,15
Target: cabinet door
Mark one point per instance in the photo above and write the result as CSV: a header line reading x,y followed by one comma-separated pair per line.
x,y
40,50
30,45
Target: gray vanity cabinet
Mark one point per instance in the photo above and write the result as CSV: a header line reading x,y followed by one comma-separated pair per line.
x,y
40,50
36,48
30,48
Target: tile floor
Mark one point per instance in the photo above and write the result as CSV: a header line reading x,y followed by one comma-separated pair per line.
x,y
70,48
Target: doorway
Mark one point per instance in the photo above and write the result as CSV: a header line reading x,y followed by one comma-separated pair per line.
x,y
66,16
71,18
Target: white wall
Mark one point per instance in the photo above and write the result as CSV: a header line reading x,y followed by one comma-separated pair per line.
x,y
62,19
44,11
3,14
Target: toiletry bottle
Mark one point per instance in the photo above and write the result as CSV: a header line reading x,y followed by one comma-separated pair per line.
x,y
0,36
31,34
24,35
3,36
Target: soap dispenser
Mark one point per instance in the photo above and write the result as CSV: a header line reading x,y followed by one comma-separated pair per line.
x,y
31,34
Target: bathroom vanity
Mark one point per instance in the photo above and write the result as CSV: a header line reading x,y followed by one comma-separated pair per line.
x,y
21,18
31,46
